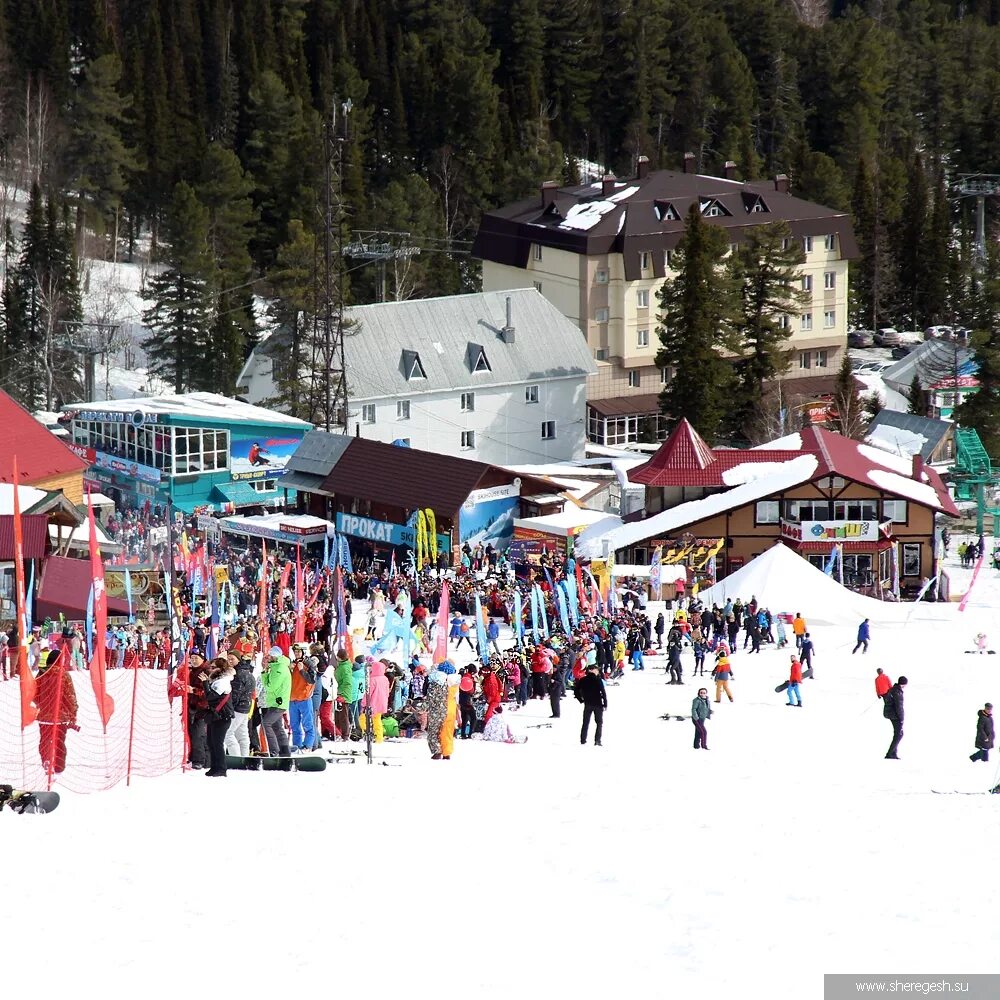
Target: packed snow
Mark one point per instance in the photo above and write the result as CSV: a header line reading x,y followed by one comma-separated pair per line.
x,y
896,440
904,486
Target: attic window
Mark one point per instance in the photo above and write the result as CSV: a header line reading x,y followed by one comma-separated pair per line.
x,y
412,366
754,205
481,364
665,212
711,209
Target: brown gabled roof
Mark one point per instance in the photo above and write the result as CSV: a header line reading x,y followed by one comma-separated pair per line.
x,y
641,404
407,477
632,217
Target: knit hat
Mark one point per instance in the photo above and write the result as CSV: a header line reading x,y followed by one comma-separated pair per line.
x,y
274,652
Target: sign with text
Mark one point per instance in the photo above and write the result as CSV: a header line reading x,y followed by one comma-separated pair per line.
x,y
261,457
493,493
831,531
384,532
126,467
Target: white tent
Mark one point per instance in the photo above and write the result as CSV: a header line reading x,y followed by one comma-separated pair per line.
x,y
784,582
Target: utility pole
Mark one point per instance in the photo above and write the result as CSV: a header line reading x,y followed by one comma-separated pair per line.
x,y
380,247
980,187
90,340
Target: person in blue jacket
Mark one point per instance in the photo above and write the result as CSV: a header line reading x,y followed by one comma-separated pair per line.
x,y
864,634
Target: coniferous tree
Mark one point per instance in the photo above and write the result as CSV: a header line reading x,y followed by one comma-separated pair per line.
x,y
850,415
765,275
695,317
180,316
915,397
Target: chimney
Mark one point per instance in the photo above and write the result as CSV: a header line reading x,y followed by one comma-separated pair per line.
x,y
608,185
507,333
689,163
918,468
781,183
642,168
729,170
549,189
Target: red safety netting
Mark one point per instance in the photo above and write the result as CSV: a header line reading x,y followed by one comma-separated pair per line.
x,y
69,747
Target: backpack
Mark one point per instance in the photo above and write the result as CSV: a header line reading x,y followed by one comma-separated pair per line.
x,y
308,674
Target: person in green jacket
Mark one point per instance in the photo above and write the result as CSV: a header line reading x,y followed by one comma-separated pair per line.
x,y
701,712
277,681
357,693
344,678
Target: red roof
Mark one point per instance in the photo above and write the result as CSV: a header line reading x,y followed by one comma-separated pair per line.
x,y
65,588
35,532
40,454
685,460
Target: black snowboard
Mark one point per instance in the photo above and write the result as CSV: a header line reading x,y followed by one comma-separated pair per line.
x,y
276,763
806,674
679,718
28,802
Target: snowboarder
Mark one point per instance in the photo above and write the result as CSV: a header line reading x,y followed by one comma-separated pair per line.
x,y
984,734
806,650
893,711
701,712
590,691
864,634
882,684
794,679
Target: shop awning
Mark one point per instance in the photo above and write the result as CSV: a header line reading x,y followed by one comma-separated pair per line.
x,y
242,495
65,587
880,546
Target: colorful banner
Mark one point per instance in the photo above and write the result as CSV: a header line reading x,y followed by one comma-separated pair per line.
x,y
655,572
972,582
518,617
105,704
261,457
27,681
441,636
481,637
488,522
561,605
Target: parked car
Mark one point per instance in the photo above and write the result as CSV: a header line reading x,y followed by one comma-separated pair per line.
x,y
938,333
900,352
872,367
887,336
962,334
860,338
911,337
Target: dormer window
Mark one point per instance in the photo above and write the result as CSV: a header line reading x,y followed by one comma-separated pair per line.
x,y
412,366
711,209
476,359
665,212
754,203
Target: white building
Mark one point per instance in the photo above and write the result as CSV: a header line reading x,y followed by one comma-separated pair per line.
x,y
499,377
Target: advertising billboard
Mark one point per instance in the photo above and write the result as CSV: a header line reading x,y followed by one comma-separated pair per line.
x,y
261,457
487,517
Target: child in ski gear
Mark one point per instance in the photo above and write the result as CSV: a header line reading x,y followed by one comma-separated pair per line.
x,y
864,633
701,712
981,642
723,674
376,698
882,683
497,730
794,679
893,711
984,734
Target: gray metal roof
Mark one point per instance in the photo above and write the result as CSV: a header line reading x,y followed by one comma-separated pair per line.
x,y
932,430
448,334
930,361
317,454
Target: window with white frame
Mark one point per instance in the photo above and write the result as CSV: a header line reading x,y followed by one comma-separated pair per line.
x,y
264,485
820,359
548,430
895,511
666,374
468,440
537,251
538,286
783,321
806,321
195,449
829,280
634,379
642,338
830,318
601,276
531,393
668,259
402,409
768,512
786,243
644,260
805,360
601,315
911,559
468,402
807,282
642,298
807,244
830,241
368,413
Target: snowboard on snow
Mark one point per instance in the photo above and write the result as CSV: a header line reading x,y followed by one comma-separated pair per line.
x,y
992,652
276,763
679,718
806,674
27,802
992,791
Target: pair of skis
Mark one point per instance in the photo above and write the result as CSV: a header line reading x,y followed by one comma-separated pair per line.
x,y
20,801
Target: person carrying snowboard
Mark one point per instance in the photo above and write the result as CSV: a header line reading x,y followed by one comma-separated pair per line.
x,y
701,712
893,711
984,734
864,634
794,680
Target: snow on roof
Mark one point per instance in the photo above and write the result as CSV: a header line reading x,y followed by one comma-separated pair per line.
x,y
790,442
81,535
750,471
555,469
28,497
918,492
888,397
195,404
896,440
568,520
668,573
596,543
904,466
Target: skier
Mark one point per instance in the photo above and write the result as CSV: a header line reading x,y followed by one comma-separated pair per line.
x,y
701,712
984,734
882,684
794,679
864,634
592,694
893,711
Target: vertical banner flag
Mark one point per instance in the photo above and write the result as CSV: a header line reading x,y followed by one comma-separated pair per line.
x,y
484,650
655,573
895,569
300,604
344,554
569,585
831,561
213,630
326,551
98,664
561,604
585,603
972,583
441,638
541,610
90,621
534,615
264,575
286,572
28,617
518,618
407,633
27,680
128,596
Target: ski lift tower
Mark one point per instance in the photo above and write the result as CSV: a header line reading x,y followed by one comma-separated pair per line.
x,y
90,340
972,473
980,187
380,247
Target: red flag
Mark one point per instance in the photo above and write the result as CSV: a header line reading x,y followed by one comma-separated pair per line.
x,y
282,583
300,610
28,710
262,604
441,639
97,660
581,591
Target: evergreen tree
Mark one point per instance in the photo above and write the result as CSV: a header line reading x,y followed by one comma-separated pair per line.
x,y
912,249
850,416
695,317
765,273
180,316
915,397
981,409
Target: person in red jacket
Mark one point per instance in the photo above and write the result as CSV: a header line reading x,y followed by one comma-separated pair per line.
x,y
541,667
55,697
491,692
882,683
794,680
